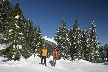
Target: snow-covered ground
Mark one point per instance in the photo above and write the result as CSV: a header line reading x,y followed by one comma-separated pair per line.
x,y
32,65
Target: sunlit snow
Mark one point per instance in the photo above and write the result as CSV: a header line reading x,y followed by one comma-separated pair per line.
x,y
32,65
17,17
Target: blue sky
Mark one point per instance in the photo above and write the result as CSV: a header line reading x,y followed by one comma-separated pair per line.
x,y
49,13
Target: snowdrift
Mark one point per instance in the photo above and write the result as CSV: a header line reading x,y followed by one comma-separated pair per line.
x,y
32,65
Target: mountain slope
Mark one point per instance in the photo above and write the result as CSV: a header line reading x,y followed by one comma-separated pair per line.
x,y
50,40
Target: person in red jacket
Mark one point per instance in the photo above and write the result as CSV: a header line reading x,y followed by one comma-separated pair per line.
x,y
55,56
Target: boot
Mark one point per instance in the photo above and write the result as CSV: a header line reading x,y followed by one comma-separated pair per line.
x,y
54,64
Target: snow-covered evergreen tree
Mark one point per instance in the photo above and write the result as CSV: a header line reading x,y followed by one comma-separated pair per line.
x,y
39,40
94,55
17,31
102,50
27,45
105,51
8,23
62,40
34,40
6,11
85,44
17,10
75,41
72,46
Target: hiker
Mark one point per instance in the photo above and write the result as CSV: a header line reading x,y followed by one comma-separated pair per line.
x,y
43,55
55,57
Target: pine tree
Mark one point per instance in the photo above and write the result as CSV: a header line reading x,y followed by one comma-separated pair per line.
x,y
75,41
27,45
39,40
18,32
72,46
105,51
14,33
6,11
34,40
102,50
94,55
85,44
62,40
17,10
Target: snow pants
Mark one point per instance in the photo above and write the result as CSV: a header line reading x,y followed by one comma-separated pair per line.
x,y
54,61
43,57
